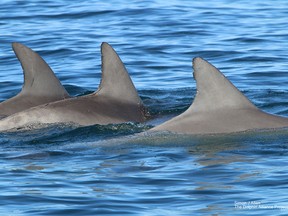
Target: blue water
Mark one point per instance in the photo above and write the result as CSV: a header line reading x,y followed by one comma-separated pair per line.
x,y
106,170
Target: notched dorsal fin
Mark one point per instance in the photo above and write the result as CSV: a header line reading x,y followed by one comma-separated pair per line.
x,y
116,82
39,79
214,90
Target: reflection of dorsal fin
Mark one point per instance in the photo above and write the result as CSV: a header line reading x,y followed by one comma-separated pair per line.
x,y
214,90
116,82
39,79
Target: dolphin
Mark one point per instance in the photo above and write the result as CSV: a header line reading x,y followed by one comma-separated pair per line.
x,y
115,101
40,83
219,107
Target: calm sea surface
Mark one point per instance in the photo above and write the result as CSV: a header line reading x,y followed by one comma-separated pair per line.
x,y
107,170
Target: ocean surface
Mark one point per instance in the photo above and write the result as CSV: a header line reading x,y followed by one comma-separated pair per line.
x,y
110,170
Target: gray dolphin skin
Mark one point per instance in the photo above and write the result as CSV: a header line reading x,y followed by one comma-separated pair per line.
x,y
115,101
40,83
219,107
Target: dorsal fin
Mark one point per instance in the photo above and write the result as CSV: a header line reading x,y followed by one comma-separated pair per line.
x,y
214,90
39,79
116,82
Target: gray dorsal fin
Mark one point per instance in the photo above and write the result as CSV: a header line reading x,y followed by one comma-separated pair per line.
x,y
39,79
116,82
214,90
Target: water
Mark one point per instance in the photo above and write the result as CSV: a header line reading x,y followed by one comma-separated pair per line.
x,y
106,170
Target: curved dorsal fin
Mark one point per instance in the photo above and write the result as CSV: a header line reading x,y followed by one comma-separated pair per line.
x,y
214,90
116,82
39,79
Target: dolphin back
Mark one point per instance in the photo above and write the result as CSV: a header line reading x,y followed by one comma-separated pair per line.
x,y
219,107
40,83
